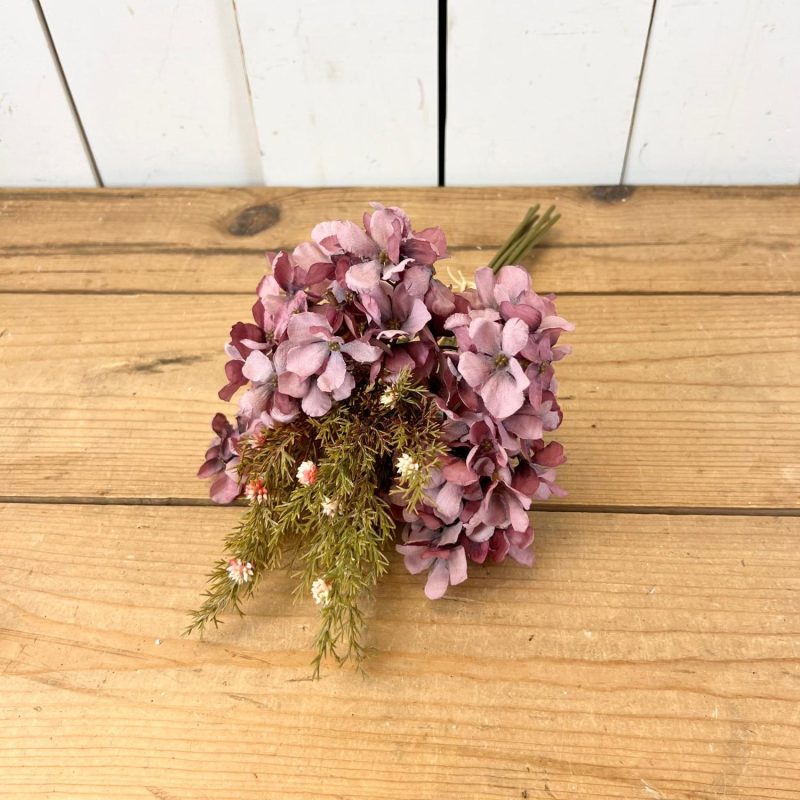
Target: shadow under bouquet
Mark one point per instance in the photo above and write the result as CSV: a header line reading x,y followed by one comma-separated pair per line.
x,y
382,404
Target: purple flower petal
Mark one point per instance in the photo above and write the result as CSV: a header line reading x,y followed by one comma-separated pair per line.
x,y
413,557
513,281
292,385
448,501
515,336
484,284
233,371
210,467
306,254
456,471
515,370
553,322
305,359
458,566
450,534
438,579
421,251
417,319
356,241
527,314
550,456
457,321
363,277
385,228
257,367
501,394
525,424
334,373
345,389
486,335
475,368
440,299
324,234
224,489
316,403
417,280
361,351
300,325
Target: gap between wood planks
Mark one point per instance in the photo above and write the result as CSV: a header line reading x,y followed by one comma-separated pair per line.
x,y
233,293
567,508
164,248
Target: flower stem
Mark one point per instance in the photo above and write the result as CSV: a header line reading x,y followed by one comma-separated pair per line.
x,y
525,236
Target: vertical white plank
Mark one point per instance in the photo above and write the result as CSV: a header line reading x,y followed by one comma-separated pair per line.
x,y
541,92
720,94
344,91
160,88
39,140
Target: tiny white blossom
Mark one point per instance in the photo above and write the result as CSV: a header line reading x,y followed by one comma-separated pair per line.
x,y
321,591
329,507
239,571
389,396
307,473
406,466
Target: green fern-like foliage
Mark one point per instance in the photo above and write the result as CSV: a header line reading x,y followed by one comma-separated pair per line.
x,y
339,528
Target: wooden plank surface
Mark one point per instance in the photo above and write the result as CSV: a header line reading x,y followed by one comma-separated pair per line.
x,y
668,401
40,144
332,103
551,99
609,240
647,655
644,656
727,117
161,90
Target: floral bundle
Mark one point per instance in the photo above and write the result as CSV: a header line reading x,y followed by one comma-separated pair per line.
x,y
377,396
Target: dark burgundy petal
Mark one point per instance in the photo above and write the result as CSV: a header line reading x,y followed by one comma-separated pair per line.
x,y
525,480
318,273
283,271
421,251
210,467
550,456
233,369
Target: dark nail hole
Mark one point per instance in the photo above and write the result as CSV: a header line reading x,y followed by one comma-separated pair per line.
x,y
611,194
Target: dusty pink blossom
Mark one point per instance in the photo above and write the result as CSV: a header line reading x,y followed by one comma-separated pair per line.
x,y
493,371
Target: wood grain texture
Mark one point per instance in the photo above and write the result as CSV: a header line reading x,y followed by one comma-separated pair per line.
x,y
609,239
668,401
541,92
649,656
344,91
718,96
161,90
40,144
643,657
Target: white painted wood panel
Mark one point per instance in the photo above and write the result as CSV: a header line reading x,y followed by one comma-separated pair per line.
x,y
344,91
160,88
541,92
720,94
40,144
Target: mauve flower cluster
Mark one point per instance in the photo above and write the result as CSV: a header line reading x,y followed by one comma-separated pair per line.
x,y
359,305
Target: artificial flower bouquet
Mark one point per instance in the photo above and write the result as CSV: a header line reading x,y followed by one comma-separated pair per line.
x,y
381,402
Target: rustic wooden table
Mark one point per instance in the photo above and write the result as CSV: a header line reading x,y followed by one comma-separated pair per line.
x,y
654,650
